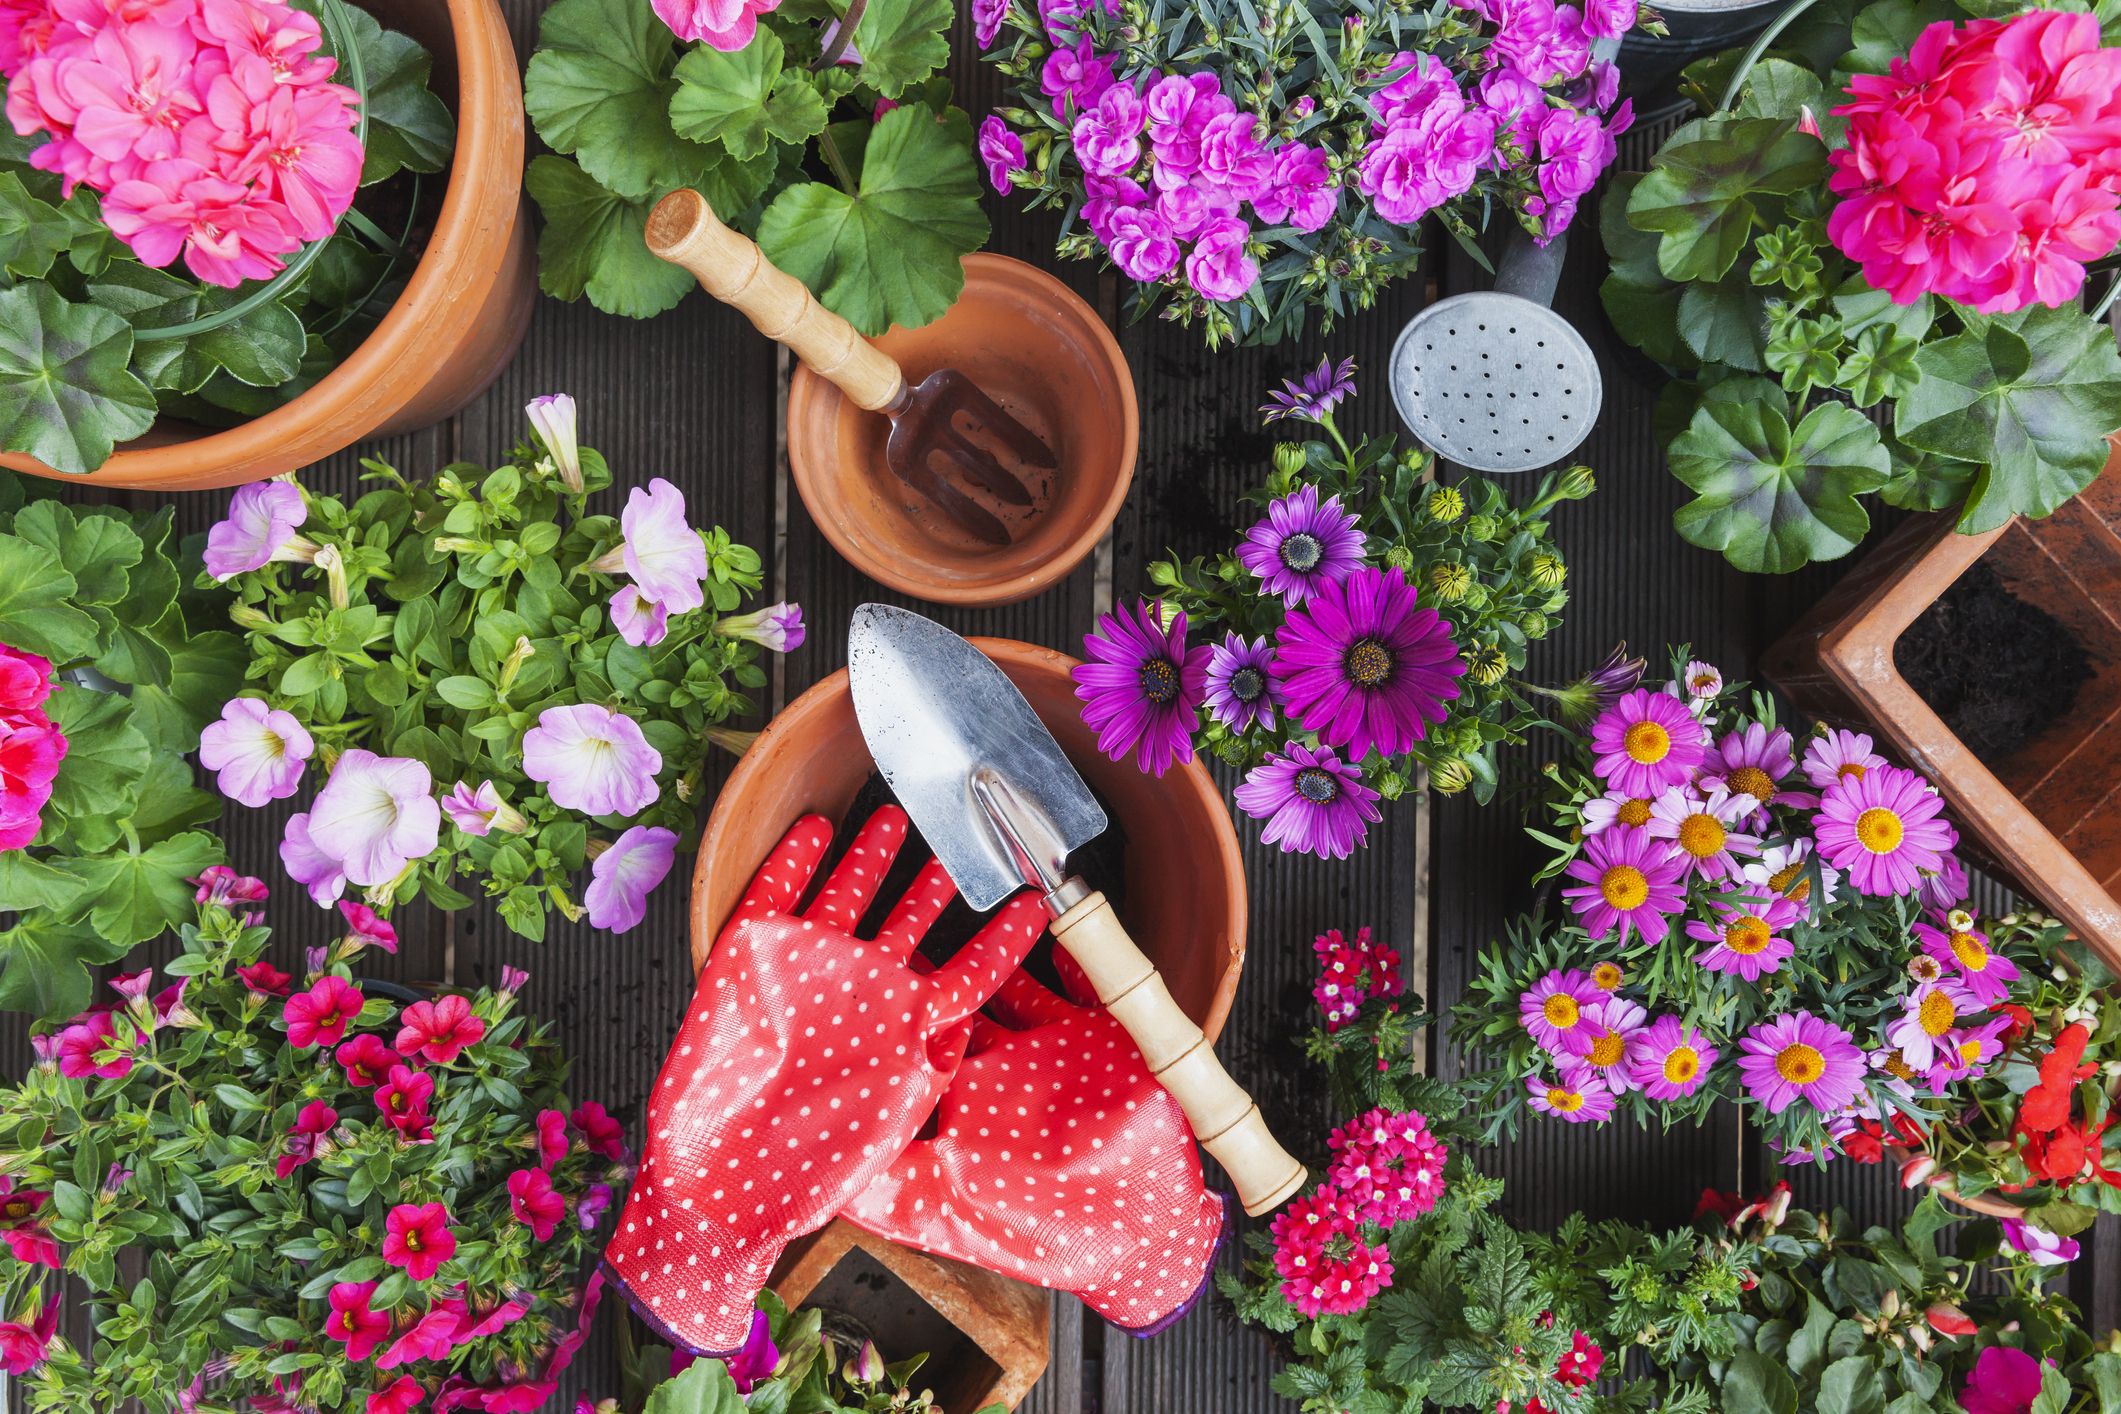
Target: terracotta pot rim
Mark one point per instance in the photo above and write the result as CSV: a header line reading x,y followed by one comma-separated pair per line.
x,y
1191,776
485,103
806,385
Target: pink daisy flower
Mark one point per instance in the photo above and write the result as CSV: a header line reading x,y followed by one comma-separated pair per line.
x,y
1835,756
1701,682
1882,828
1967,1053
1954,942
1579,1096
1790,870
1628,881
1929,1015
1668,1059
1645,743
1556,1010
1616,807
1745,936
1756,760
1799,1056
1607,977
1388,1167
1704,829
1947,887
1325,1266
1620,1021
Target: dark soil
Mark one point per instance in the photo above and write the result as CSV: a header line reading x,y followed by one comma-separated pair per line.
x,y
1998,670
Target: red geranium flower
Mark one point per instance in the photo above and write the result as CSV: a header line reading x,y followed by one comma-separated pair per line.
x,y
439,1030
417,1238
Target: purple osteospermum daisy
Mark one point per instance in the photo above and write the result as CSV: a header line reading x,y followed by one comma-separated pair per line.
x,y
1928,1017
1982,971
1620,1021
1579,1096
1556,1010
1646,742
1703,829
1240,690
1836,755
1799,1056
1615,807
1312,801
1755,760
1315,395
1362,665
1142,686
1882,828
1630,880
1303,543
1669,1059
1746,934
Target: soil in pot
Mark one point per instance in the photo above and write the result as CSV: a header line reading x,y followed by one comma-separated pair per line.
x,y
1998,669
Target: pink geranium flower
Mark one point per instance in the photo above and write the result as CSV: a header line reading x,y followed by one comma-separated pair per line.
x,y
592,759
438,1031
416,1236
31,752
294,141
534,1202
258,751
720,24
226,231
320,1016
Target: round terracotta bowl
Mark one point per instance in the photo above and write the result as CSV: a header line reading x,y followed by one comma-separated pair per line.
x,y
1185,879
1034,347
455,325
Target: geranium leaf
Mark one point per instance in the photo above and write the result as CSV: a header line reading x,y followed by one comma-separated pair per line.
x,y
32,232
1885,31
42,962
140,896
66,395
262,348
2031,397
1641,302
205,671
593,244
27,883
1769,496
902,42
106,757
891,253
408,126
743,99
1724,322
36,603
599,87
1696,193
101,548
169,802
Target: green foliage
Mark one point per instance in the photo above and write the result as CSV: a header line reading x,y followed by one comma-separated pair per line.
x,y
198,1258
93,589
637,114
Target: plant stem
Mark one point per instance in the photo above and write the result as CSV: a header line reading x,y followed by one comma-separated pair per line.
x,y
841,173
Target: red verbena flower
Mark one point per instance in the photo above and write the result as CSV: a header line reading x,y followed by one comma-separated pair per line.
x,y
1580,1362
1325,1266
1387,1167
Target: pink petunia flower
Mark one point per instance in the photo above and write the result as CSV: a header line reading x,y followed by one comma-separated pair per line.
x,y
310,864
259,528
91,1046
401,1396
376,815
551,1133
365,928
640,620
265,980
603,1134
661,551
777,627
431,1337
367,1060
438,1031
23,1346
592,759
623,877
403,1101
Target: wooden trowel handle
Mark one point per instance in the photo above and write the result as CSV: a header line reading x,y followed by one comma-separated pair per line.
x,y
1223,1116
684,230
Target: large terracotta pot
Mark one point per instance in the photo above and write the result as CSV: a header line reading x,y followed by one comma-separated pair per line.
x,y
454,327
1185,897
2043,817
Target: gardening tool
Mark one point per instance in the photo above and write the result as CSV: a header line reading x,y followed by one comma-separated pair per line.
x,y
684,230
1495,380
1000,806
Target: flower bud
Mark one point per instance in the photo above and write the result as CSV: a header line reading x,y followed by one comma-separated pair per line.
x,y
1947,1319
1483,527
1778,1205
1487,665
1576,483
1534,624
1448,581
1164,575
1915,1170
1548,570
1446,504
1450,777
1289,458
865,1366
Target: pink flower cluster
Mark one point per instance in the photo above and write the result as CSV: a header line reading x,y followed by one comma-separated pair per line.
x,y
31,747
210,127
1328,1250
1986,166
1350,974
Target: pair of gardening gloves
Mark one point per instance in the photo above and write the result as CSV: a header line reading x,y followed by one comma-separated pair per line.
x,y
818,1075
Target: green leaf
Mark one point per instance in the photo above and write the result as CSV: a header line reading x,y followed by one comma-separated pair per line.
x,y
1643,305
1696,195
1770,497
99,547
1752,1384
27,883
902,42
1885,31
32,232
169,803
2032,397
106,756
1724,322
37,611
263,348
66,396
704,1388
744,99
42,962
891,253
600,86
593,244
408,126
1851,1386
1777,88
205,671
140,896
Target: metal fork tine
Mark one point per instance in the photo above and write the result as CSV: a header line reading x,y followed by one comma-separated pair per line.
x,y
1020,439
968,514
981,466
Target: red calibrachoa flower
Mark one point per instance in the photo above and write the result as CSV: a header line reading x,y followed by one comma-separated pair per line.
x,y
553,1142
431,1337
320,1016
438,1031
22,1227
366,929
403,1101
265,979
352,1321
305,1140
600,1131
366,1059
531,1196
23,1345
401,1396
417,1238
90,1046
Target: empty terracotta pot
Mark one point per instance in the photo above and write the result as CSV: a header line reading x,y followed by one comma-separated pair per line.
x,y
453,328
1034,347
1185,896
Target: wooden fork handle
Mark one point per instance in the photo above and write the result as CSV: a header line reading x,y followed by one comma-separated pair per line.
x,y
684,230
1223,1116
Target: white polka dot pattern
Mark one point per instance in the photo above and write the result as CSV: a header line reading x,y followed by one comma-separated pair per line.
x,y
806,1062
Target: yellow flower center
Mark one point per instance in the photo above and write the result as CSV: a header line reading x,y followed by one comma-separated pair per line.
x,y
1969,1052
1747,935
1800,1064
1682,1065
1702,682
1648,743
1607,1050
1972,955
1624,887
1633,812
1850,771
1752,781
1567,1101
1782,879
1879,830
1560,1011
1937,1014
1898,1068
1702,836
1608,975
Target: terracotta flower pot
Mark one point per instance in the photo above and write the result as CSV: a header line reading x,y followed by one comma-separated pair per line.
x,y
1185,897
1045,356
2045,815
455,325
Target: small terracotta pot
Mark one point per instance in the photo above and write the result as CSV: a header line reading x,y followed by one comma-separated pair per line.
x,y
455,325
1185,878
2045,817
1034,347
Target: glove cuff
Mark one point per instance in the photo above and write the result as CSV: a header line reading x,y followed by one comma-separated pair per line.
x,y
1207,1277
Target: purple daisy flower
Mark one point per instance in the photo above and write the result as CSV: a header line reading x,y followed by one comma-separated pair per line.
x,y
1302,544
1142,686
1312,801
1314,396
1362,665
1240,689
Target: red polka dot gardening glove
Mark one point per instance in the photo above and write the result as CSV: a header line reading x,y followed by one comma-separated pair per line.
x,y
806,1062
1057,1159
